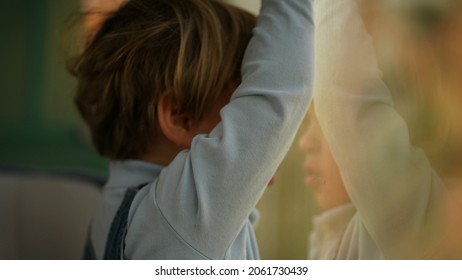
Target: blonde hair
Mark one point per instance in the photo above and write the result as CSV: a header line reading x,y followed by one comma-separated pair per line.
x,y
417,67
190,49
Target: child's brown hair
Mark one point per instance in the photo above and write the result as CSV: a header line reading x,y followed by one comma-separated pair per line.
x,y
189,49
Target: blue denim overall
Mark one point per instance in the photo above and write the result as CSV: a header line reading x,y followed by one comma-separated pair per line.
x,y
115,243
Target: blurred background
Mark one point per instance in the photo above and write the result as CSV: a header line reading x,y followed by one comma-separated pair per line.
x,y
41,135
39,125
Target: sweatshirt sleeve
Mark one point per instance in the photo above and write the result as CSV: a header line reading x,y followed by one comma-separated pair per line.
x,y
208,192
397,194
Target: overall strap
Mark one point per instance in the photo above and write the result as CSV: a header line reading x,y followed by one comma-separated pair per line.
x,y
115,243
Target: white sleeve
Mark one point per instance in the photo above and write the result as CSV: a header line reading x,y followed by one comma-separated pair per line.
x,y
207,193
397,194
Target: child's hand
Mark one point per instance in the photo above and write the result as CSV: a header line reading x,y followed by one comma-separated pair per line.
x,y
271,182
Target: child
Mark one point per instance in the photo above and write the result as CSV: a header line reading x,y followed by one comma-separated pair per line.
x,y
405,199
161,90
323,177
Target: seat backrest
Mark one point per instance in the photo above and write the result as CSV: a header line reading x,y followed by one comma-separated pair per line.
x,y
45,215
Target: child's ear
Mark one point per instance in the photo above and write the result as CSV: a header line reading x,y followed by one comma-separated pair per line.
x,y
175,125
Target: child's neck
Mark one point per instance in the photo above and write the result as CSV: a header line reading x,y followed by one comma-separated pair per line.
x,y
161,152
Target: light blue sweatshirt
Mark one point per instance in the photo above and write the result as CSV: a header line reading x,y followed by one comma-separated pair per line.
x,y
198,206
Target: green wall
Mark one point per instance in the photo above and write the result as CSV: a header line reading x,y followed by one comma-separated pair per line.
x,y
39,125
